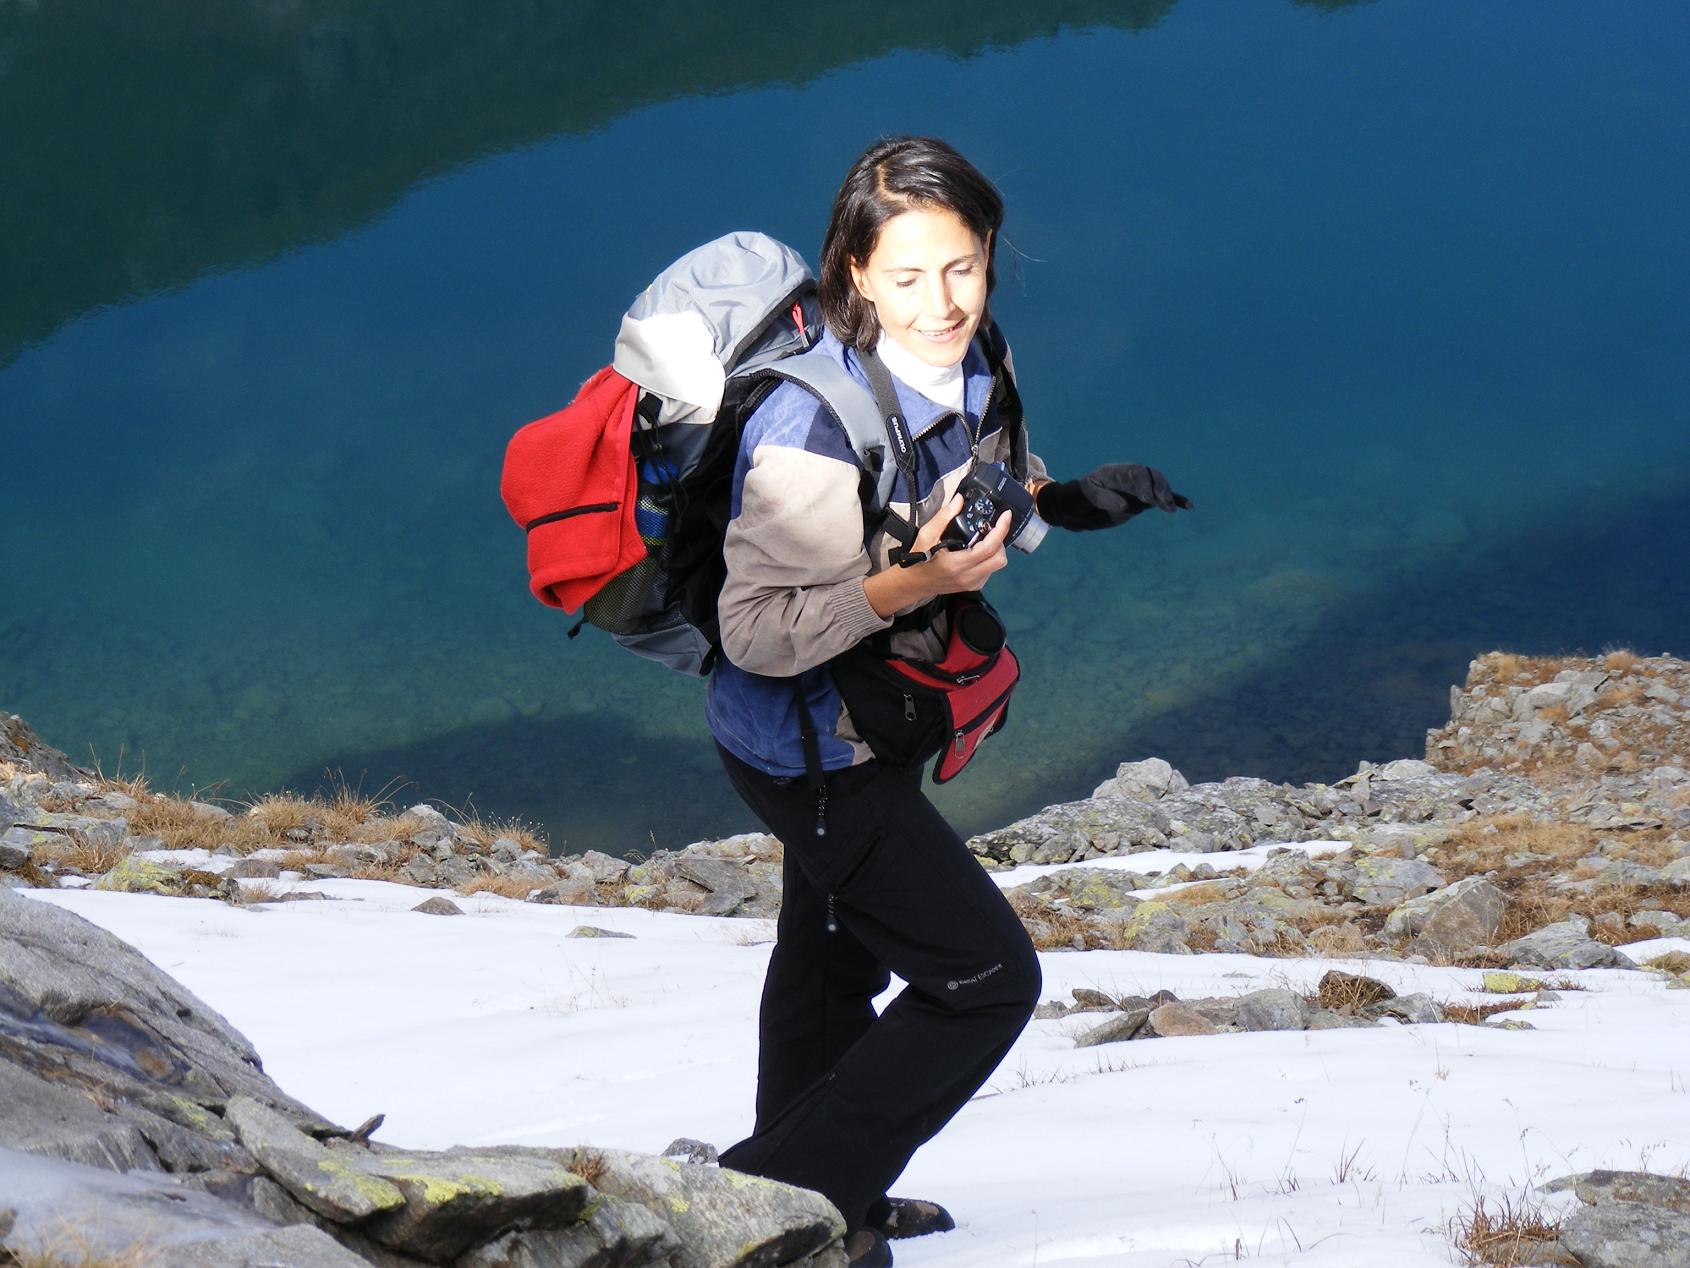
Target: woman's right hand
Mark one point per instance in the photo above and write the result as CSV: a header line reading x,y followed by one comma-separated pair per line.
x,y
947,571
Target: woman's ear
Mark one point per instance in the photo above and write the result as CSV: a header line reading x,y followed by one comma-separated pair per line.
x,y
859,279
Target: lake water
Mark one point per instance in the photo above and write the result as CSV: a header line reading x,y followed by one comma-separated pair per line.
x,y
1395,292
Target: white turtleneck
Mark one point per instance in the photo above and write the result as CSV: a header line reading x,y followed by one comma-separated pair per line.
x,y
941,384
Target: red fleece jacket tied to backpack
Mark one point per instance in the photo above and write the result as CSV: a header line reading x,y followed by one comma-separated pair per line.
x,y
569,481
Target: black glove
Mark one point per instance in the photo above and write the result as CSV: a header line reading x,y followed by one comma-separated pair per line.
x,y
1111,495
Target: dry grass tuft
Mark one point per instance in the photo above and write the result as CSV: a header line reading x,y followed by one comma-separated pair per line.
x,y
1343,941
1671,962
1345,995
1473,1014
589,1165
69,1248
504,886
1522,671
483,832
1052,928
1515,1235
75,852
1621,660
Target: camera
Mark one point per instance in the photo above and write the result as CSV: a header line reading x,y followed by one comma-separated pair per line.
x,y
987,493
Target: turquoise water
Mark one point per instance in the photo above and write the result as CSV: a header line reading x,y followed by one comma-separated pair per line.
x,y
1394,291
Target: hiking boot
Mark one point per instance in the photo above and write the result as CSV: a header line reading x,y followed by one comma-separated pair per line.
x,y
909,1217
866,1248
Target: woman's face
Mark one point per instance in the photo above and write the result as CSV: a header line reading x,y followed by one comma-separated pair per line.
x,y
926,278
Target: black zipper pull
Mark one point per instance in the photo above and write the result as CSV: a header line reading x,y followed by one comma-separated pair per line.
x,y
821,811
909,707
832,923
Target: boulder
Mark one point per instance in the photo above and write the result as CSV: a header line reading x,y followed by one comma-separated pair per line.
x,y
1143,781
1122,1026
1617,1234
21,746
1465,914
1564,945
1273,1009
70,1213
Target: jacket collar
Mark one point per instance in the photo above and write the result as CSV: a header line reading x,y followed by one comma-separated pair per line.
x,y
920,414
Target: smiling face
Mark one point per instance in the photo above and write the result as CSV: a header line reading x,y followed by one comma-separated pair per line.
x,y
926,278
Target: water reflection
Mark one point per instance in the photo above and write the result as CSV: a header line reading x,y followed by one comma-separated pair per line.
x,y
144,146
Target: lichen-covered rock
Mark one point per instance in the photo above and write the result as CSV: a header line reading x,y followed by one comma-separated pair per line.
x,y
1617,1234
1566,944
1157,926
1465,914
1381,880
1143,781
721,1218
1075,830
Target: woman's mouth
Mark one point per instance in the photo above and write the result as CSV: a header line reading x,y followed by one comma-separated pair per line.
x,y
942,336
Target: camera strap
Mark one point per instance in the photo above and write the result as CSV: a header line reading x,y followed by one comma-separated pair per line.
x,y
903,531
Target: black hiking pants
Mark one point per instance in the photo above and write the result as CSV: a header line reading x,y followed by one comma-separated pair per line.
x,y
845,1098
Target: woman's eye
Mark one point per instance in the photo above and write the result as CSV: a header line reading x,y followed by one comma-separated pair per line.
x,y
905,283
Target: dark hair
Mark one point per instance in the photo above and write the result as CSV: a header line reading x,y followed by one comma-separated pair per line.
x,y
893,176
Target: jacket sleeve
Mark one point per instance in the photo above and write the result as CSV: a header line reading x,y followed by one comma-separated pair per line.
x,y
795,559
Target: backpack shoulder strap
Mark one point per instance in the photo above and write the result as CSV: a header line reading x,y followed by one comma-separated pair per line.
x,y
854,409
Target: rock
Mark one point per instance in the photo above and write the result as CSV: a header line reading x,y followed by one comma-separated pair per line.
x,y
1677,873
1627,1235
593,931
727,882
91,1015
1143,781
438,906
1565,945
11,813
1496,982
21,746
719,1216
136,875
1465,914
1405,768
434,1204
1273,1009
305,1167
1668,1192
1087,889
1416,1009
686,1149
1076,829
616,1234
604,869
1183,1019
111,1214
1380,880
1124,1026
17,846
1156,926
254,869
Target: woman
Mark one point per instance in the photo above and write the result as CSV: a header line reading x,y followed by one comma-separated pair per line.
x,y
876,882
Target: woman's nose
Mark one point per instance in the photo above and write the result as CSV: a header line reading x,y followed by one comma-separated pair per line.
x,y
939,296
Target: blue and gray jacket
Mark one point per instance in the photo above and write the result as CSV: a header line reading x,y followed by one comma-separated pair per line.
x,y
798,548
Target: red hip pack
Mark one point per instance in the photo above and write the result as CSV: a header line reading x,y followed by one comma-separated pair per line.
x,y
908,710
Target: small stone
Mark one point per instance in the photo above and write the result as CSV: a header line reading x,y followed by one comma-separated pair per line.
x,y
1274,1009
686,1149
1116,1029
438,906
1497,982
593,931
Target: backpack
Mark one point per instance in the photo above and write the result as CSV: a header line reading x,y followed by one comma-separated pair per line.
x,y
624,493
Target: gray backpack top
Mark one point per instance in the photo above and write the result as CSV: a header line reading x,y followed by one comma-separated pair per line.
x,y
705,341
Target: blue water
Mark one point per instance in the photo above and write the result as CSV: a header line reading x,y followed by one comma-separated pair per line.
x,y
1394,291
